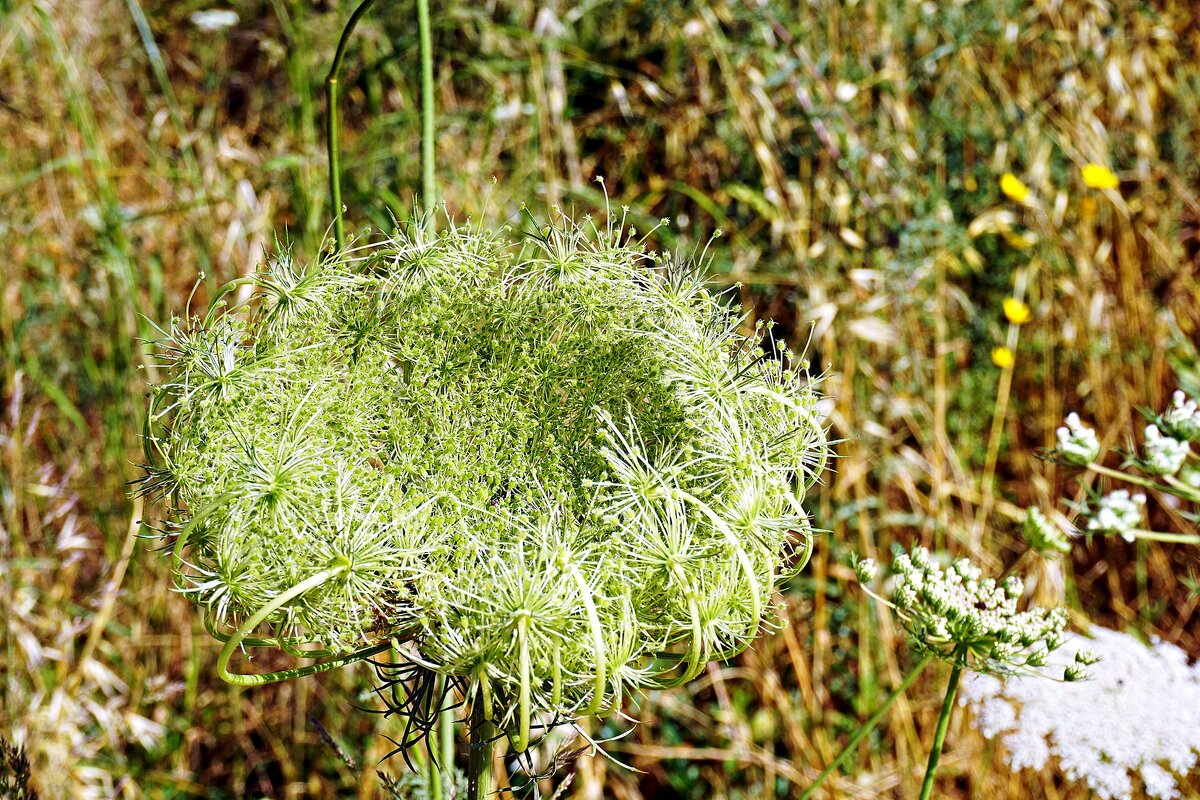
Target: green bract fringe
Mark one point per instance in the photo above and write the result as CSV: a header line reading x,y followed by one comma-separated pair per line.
x,y
554,466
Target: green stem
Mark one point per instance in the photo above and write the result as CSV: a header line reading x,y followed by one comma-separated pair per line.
x,y
1145,482
235,640
433,769
867,727
446,742
428,187
479,766
1163,536
939,736
332,122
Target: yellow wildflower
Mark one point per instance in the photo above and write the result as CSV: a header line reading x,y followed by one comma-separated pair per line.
x,y
1098,176
1015,311
1002,357
1013,188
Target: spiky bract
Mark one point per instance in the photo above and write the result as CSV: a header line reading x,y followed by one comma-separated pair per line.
x,y
555,466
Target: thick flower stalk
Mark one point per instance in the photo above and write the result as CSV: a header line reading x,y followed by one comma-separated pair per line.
x,y
557,469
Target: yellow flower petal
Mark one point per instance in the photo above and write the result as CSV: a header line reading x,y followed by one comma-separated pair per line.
x,y
1015,311
1013,188
1098,176
1002,357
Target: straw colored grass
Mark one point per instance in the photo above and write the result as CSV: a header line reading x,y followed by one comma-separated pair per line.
x,y
852,154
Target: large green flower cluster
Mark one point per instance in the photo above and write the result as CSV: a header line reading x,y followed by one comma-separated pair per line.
x,y
554,465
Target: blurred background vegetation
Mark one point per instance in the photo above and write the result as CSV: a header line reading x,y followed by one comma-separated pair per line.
x,y
851,153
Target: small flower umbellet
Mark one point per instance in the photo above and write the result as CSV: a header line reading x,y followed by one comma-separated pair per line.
x,y
1078,444
1118,512
1162,455
1182,419
1044,534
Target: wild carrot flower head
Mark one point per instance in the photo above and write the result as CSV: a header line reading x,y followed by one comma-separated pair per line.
x,y
957,615
557,467
1133,724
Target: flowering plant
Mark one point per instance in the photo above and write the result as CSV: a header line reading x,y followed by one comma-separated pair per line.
x,y
556,468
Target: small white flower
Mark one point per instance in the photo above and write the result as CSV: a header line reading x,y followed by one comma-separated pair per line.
x,y
1162,455
1134,718
1077,444
1182,419
214,19
1118,512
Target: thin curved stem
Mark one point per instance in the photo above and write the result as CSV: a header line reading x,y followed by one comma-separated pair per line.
x,y
597,631
743,559
332,121
867,727
1134,479
939,736
243,631
697,656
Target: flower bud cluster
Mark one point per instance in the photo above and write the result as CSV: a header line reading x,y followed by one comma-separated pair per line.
x,y
1182,419
1043,534
957,615
1078,444
557,468
1118,512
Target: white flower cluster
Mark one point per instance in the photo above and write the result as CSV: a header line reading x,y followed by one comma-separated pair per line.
x,y
1078,444
1182,419
1162,455
214,19
1043,534
959,616
1136,717
1118,512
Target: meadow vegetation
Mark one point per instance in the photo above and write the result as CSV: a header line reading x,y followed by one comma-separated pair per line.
x,y
855,158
